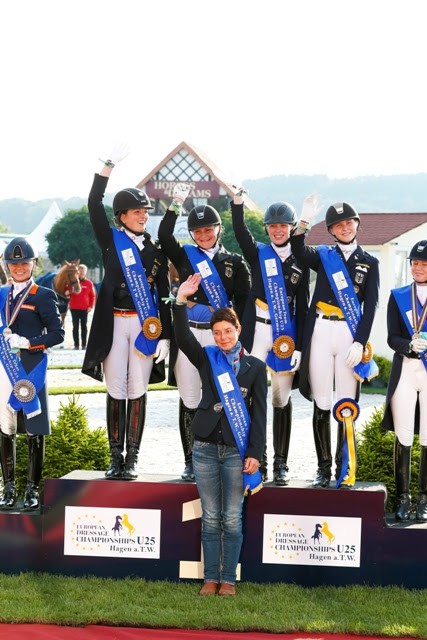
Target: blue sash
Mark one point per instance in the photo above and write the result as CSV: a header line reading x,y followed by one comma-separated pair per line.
x,y
211,282
342,286
404,303
145,305
235,409
282,323
25,386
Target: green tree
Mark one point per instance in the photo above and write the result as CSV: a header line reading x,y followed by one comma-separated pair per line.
x,y
72,237
254,221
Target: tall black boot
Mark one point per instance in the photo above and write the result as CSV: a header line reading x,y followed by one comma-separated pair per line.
x,y
8,462
338,450
35,467
421,512
135,422
402,476
263,467
282,423
116,426
322,442
186,416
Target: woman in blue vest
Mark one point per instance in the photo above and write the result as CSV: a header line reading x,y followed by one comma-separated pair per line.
x,y
335,335
229,428
406,404
30,324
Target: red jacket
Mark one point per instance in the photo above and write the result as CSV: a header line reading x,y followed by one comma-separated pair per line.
x,y
86,298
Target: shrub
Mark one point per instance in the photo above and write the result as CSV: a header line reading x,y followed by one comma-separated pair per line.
x,y
375,458
384,366
72,445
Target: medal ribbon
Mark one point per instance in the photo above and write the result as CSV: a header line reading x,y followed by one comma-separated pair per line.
x,y
417,320
282,323
11,316
342,286
16,372
235,409
404,301
211,282
133,271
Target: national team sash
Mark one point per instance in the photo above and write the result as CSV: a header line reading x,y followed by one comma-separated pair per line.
x,y
343,288
145,305
211,282
25,386
282,323
235,410
409,306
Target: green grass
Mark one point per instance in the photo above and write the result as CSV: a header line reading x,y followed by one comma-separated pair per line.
x,y
100,388
275,608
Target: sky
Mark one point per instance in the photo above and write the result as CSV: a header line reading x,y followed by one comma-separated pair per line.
x,y
277,87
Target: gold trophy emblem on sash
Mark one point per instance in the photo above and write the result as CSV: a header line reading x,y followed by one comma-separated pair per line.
x,y
151,328
283,347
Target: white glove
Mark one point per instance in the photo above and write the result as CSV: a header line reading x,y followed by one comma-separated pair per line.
x,y
120,150
418,345
17,342
296,360
162,350
354,355
179,194
310,209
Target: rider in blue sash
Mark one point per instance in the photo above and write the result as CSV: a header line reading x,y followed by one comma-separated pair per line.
x,y
225,282
274,316
333,344
131,326
229,426
29,324
406,403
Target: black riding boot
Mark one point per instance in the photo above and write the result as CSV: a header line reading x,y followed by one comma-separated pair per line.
x,y
135,422
8,462
322,442
282,422
35,467
421,512
402,476
116,426
186,416
338,450
263,467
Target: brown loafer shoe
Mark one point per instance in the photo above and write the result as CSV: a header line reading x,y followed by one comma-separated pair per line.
x,y
226,589
208,589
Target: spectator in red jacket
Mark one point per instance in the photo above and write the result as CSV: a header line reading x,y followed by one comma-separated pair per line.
x,y
80,305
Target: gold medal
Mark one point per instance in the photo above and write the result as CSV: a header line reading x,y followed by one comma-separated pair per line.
x,y
151,328
368,352
415,336
7,331
283,347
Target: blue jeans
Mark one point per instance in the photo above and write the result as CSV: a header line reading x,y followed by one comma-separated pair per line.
x,y
218,469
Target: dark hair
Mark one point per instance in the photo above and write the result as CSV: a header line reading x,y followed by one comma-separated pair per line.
x,y
225,314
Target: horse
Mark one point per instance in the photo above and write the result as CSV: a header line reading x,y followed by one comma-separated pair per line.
x,y
129,526
117,525
61,282
328,534
317,533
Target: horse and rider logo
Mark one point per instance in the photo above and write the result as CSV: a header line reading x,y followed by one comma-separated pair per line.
x,y
320,530
123,521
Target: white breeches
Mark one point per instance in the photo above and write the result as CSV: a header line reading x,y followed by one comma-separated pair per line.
x,y
186,374
330,342
281,384
126,372
412,385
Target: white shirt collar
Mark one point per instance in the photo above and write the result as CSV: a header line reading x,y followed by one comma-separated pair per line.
x,y
20,286
283,252
138,240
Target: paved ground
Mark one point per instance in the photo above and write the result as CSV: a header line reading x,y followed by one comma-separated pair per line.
x,y
161,447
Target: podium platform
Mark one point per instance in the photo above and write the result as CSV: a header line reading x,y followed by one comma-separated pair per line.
x,y
150,528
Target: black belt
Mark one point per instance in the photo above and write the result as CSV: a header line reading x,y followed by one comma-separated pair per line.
x,y
199,325
263,320
335,318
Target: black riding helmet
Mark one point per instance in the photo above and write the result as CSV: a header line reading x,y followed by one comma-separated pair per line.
x,y
340,211
280,213
202,216
19,250
130,199
419,251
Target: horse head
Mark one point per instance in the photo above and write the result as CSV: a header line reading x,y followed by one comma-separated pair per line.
x,y
68,275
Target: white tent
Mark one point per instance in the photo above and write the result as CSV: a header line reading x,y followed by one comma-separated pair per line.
x,y
38,236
